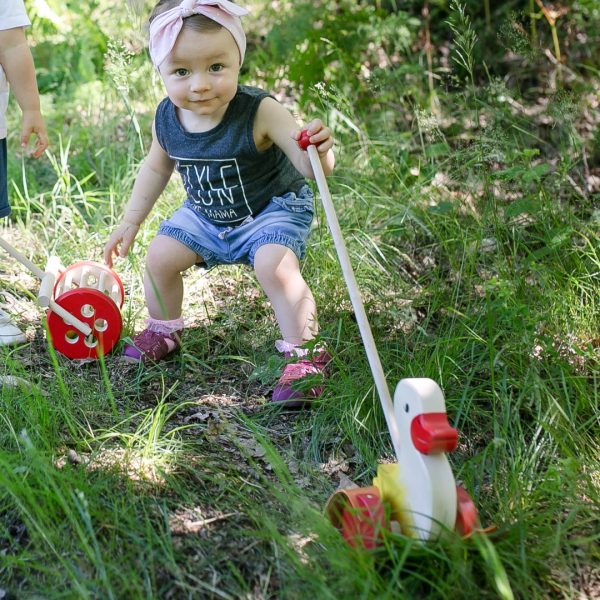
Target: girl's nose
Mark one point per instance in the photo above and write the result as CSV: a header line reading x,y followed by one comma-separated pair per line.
x,y
199,83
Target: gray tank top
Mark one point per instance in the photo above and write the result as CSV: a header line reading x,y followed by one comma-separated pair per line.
x,y
225,177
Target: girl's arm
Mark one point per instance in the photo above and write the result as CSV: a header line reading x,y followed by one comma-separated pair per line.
x,y
17,62
150,182
274,124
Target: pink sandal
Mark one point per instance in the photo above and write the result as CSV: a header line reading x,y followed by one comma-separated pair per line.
x,y
288,390
150,345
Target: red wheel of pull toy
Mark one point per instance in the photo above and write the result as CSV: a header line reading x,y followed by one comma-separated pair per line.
x,y
359,514
89,274
467,518
98,311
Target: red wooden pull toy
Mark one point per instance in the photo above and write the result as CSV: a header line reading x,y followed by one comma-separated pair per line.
x,y
83,304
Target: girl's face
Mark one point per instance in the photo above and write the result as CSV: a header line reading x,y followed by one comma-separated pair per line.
x,y
201,73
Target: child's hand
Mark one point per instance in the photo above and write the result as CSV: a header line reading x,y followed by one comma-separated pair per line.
x,y
120,241
319,135
33,123
320,138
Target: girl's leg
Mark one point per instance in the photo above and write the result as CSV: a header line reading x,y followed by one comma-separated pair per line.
x,y
278,273
167,259
163,283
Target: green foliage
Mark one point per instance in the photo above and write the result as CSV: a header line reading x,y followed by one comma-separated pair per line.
x,y
467,196
338,41
68,52
465,38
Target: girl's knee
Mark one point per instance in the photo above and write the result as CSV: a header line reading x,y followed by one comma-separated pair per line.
x,y
276,265
168,256
157,259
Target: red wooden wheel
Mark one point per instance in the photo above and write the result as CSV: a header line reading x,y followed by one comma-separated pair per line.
x,y
98,311
467,519
359,514
95,276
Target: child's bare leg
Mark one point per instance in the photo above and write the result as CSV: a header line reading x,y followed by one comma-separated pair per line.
x,y
163,283
278,273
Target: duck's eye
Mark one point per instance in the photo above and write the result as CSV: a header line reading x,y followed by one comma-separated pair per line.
x,y
406,408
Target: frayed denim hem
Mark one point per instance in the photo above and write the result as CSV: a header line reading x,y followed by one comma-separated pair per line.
x,y
210,259
297,247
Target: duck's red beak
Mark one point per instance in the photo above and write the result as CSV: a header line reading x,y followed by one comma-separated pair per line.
x,y
431,433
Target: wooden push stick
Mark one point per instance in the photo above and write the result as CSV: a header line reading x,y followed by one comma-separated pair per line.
x,y
22,259
355,297
46,289
69,318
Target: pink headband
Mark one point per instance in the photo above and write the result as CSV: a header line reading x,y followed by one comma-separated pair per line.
x,y
165,28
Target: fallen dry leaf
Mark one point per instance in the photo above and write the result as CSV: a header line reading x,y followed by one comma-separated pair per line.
x,y
345,482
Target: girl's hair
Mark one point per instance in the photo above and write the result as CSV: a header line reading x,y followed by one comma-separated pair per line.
x,y
199,23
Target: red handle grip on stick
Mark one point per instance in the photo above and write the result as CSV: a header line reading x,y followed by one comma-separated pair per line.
x,y
304,140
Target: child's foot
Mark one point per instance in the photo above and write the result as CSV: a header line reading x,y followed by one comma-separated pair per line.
x,y
151,346
288,389
10,334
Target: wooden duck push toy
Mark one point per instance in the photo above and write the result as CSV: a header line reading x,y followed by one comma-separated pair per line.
x,y
418,492
83,302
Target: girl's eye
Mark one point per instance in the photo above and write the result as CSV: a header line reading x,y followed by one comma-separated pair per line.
x,y
181,72
215,68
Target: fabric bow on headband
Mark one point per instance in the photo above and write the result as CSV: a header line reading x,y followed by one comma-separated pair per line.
x,y
165,28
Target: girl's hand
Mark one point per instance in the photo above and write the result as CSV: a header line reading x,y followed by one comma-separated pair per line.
x,y
33,124
319,135
120,241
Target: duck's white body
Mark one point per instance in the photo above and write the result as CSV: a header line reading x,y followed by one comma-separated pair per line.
x,y
426,479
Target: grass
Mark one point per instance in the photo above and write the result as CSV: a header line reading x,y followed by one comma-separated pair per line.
x,y
478,260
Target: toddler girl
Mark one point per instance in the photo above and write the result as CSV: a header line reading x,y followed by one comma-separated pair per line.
x,y
244,176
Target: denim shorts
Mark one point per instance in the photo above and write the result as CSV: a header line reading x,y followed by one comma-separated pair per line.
x,y
4,205
285,221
